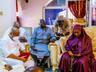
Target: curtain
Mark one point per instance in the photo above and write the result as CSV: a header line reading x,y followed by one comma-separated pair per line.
x,y
78,8
16,6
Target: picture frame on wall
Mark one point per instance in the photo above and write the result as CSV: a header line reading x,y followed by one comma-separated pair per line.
x,y
51,13
54,8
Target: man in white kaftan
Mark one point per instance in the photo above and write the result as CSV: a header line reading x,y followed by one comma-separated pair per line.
x,y
10,46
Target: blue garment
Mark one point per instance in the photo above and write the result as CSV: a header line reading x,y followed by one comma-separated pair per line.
x,y
40,40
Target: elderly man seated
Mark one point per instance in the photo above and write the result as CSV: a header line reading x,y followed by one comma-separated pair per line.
x,y
11,49
61,29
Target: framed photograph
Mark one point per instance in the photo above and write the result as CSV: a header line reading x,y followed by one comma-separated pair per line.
x,y
50,14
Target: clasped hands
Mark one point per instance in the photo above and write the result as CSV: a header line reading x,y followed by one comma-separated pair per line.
x,y
76,55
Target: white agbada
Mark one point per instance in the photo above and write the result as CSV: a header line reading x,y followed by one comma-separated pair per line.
x,y
17,65
22,32
7,47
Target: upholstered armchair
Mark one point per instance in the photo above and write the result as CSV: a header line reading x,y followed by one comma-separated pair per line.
x,y
91,31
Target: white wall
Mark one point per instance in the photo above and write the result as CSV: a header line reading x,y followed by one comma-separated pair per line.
x,y
8,7
32,12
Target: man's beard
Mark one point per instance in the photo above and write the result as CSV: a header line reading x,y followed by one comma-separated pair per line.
x,y
43,27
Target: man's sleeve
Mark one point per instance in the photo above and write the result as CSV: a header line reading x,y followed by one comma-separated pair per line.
x,y
52,34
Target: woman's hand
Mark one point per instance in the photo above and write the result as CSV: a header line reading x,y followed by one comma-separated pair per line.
x,y
70,53
78,55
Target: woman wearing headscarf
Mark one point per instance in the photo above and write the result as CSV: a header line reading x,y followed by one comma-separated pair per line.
x,y
79,52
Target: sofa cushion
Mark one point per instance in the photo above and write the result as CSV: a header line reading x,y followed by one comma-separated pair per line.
x,y
91,31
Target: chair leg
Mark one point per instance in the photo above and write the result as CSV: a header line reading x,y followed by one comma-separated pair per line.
x,y
49,63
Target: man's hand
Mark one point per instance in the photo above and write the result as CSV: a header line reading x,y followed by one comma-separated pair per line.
x,y
16,57
8,67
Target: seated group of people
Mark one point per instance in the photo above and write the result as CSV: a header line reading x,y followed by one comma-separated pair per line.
x,y
77,58
79,54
